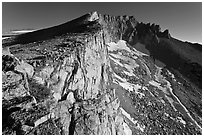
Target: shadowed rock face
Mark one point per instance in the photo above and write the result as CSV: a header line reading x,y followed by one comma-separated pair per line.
x,y
85,77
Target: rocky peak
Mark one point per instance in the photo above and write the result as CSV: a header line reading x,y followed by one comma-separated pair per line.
x,y
85,77
119,27
93,16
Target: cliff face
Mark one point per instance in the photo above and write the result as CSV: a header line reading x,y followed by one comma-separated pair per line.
x,y
73,85
83,77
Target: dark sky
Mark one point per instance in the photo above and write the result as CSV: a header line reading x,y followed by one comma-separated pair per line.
x,y
184,20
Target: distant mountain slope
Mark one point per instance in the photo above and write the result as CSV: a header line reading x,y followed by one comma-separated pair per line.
x,y
77,25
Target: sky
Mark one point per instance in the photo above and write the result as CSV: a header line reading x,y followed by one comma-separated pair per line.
x,y
184,20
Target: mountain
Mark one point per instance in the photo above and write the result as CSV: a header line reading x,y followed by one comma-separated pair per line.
x,y
101,74
15,32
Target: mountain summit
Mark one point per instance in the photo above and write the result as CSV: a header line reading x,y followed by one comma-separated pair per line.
x,y
101,75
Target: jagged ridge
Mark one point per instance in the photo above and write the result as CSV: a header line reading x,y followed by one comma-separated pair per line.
x,y
70,79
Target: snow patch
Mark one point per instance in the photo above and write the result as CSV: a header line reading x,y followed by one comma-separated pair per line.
x,y
158,85
128,116
139,53
138,126
154,83
121,45
180,119
129,63
166,89
116,60
5,38
141,127
21,31
128,73
128,86
169,91
118,77
171,101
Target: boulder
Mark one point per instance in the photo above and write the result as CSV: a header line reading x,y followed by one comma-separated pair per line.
x,y
24,67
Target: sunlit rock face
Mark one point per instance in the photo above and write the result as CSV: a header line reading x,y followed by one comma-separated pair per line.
x,y
90,79
79,89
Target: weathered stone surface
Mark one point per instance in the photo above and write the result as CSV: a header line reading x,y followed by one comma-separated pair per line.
x,y
89,81
24,67
8,62
70,97
12,86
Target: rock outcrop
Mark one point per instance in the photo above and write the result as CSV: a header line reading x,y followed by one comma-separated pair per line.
x,y
75,88
83,77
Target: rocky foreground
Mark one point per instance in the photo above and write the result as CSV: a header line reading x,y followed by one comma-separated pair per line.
x,y
87,77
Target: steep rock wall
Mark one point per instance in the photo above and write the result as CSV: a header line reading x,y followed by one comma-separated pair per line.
x,y
71,82
84,84
80,94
